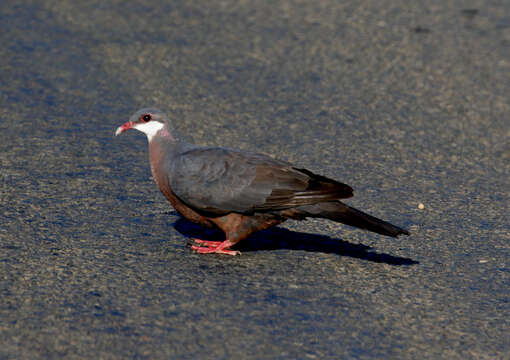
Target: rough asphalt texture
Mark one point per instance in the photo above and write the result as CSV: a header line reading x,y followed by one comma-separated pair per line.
x,y
407,102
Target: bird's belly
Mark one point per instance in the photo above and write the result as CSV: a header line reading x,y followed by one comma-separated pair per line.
x,y
238,226
186,211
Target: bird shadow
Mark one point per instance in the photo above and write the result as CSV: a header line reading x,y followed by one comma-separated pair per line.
x,y
280,238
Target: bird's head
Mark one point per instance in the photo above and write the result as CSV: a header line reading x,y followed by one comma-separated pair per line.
x,y
150,121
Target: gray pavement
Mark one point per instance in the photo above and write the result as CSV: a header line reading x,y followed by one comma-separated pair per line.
x,y
406,101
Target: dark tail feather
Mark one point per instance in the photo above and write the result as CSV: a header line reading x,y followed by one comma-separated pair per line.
x,y
339,212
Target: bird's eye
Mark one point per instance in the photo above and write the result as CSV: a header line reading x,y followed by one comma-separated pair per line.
x,y
146,117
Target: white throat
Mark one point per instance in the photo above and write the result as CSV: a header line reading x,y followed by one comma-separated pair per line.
x,y
150,129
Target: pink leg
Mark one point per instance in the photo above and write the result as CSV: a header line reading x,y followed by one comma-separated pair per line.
x,y
214,247
207,243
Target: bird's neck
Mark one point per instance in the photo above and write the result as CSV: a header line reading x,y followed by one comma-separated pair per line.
x,y
161,149
166,135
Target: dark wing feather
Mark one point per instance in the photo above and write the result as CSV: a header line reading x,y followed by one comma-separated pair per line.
x,y
218,181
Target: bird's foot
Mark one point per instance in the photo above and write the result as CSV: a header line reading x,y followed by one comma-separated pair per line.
x,y
214,247
207,243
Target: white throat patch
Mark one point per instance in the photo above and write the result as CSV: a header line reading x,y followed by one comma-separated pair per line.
x,y
150,129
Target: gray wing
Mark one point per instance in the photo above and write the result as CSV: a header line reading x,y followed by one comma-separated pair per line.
x,y
219,181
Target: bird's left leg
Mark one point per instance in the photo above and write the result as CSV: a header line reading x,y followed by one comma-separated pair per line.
x,y
233,225
236,227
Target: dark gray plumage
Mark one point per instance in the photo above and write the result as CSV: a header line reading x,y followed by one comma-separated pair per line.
x,y
220,181
238,191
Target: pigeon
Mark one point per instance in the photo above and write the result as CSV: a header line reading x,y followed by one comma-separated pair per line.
x,y
240,192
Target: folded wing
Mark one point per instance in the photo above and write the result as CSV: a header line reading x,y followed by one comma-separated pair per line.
x,y
219,181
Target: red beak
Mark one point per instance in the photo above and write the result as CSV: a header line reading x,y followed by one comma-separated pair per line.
x,y
126,126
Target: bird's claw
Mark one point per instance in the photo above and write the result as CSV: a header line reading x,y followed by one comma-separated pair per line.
x,y
213,247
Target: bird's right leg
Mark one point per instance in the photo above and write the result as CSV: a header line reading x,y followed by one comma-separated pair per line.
x,y
212,247
206,243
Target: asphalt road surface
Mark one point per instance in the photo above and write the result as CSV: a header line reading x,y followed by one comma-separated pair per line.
x,y
406,101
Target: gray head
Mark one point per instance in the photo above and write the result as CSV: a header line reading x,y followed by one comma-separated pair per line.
x,y
151,122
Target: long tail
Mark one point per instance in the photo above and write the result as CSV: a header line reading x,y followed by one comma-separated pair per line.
x,y
339,212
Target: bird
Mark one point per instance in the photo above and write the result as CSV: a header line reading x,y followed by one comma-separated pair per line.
x,y
238,191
